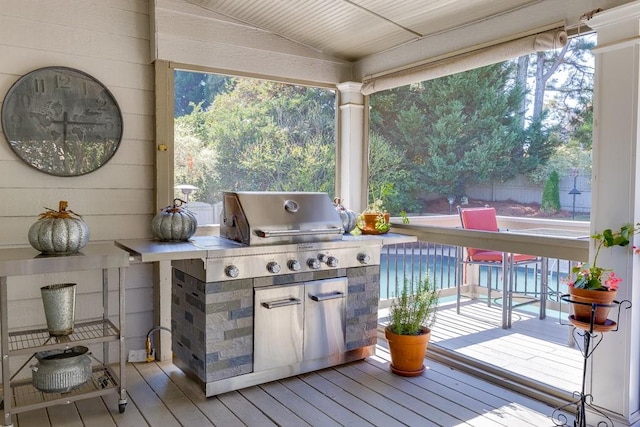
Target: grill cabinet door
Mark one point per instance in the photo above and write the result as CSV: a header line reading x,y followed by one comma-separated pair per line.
x,y
324,318
278,325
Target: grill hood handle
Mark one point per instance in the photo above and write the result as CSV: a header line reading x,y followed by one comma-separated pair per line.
x,y
286,233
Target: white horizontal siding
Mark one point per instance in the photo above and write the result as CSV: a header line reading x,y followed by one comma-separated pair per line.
x,y
108,39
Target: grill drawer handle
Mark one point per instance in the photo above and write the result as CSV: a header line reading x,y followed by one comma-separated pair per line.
x,y
281,303
312,232
325,297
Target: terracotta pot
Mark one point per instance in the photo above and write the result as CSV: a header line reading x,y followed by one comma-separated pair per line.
x,y
407,352
369,226
582,312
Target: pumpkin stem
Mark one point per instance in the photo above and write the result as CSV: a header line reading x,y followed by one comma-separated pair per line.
x,y
62,212
175,202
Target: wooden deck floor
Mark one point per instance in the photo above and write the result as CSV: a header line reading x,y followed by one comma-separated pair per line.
x,y
362,393
539,350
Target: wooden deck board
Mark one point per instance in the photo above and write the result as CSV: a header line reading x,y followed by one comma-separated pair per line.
x,y
467,407
211,407
537,349
507,404
244,409
39,417
325,404
388,400
185,412
131,417
149,404
93,412
422,401
305,410
280,414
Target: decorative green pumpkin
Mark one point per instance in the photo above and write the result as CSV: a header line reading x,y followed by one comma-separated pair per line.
x,y
174,223
59,232
348,217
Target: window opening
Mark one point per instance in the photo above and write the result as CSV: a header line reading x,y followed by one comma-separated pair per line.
x,y
244,134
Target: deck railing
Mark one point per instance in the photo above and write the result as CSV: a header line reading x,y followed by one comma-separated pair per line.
x,y
436,253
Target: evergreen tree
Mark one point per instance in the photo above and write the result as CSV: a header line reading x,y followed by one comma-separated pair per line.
x,y
459,130
551,194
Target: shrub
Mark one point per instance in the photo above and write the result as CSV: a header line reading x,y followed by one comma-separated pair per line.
x,y
551,194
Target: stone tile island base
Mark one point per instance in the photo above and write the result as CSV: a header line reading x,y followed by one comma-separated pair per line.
x,y
212,326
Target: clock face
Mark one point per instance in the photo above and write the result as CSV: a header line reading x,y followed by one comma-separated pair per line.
x,y
61,121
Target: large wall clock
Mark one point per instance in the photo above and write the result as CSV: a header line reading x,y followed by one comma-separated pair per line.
x,y
62,121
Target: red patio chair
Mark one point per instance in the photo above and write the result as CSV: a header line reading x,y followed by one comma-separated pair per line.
x,y
484,219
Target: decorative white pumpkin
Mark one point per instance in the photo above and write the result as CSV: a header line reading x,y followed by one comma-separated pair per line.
x,y
174,223
348,217
59,232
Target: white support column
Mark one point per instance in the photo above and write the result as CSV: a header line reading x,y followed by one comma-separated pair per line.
x,y
614,368
352,148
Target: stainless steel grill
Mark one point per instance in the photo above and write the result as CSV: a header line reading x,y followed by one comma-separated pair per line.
x,y
274,295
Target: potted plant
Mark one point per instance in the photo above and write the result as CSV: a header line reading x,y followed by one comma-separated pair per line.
x,y
597,285
410,319
375,218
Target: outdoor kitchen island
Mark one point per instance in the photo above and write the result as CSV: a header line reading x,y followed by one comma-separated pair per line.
x,y
213,323
270,297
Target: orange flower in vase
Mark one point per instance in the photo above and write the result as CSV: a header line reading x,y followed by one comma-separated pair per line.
x,y
375,218
597,285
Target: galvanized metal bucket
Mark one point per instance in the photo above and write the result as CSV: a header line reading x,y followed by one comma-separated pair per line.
x,y
59,302
60,371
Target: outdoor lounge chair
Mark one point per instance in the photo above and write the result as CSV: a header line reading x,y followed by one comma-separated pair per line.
x,y
484,219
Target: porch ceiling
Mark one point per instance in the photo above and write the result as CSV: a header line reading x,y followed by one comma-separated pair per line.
x,y
354,29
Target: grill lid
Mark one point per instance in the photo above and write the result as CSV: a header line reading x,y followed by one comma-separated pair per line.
x,y
267,218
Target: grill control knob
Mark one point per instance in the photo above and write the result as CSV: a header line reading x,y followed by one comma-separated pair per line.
x,y
332,261
273,267
313,263
322,257
294,265
231,271
364,258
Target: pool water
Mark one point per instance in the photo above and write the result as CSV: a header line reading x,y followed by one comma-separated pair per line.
x,y
442,270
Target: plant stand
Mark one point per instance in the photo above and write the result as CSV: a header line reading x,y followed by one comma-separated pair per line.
x,y
587,337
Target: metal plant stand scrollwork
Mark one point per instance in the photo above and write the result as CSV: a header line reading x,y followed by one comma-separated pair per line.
x,y
587,336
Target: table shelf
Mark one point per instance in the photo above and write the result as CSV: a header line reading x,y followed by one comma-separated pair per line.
x,y
87,332
25,397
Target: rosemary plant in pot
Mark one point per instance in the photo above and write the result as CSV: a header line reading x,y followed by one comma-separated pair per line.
x,y
410,319
594,288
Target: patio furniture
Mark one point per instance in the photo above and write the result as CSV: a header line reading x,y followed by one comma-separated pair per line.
x,y
484,219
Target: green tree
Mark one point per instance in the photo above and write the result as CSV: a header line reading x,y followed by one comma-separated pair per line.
x,y
194,160
268,136
192,89
455,131
561,100
387,165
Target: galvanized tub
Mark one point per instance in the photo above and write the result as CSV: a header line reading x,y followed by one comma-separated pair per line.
x,y
59,302
60,371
